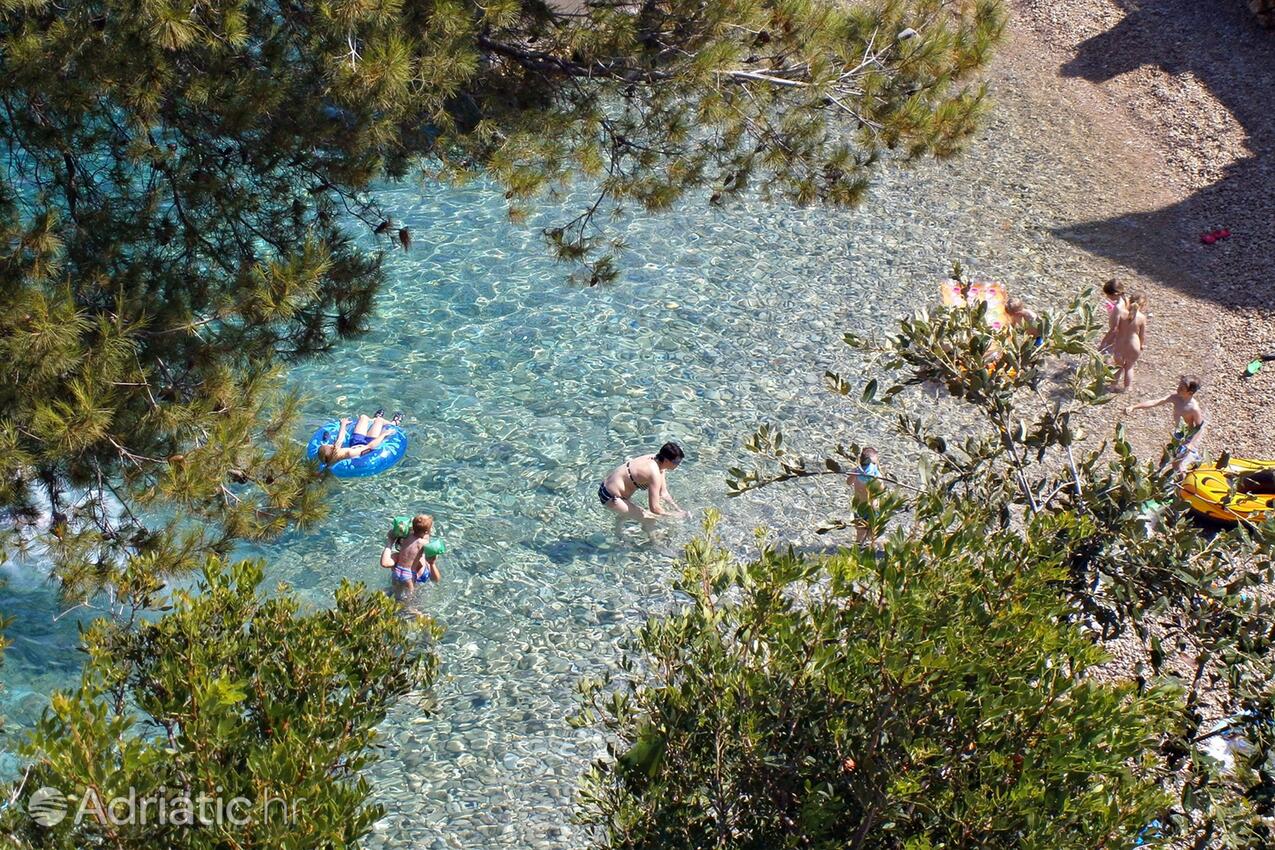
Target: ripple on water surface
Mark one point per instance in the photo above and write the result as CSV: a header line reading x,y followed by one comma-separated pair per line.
x,y
519,391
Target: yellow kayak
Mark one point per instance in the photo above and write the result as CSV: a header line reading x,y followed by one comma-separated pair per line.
x,y
1215,493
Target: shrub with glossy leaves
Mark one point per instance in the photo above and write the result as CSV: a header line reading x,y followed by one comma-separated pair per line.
x,y
932,695
229,695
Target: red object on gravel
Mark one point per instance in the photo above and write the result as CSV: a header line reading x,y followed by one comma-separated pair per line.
x,y
1208,238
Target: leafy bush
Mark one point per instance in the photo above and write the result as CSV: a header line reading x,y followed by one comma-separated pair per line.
x,y
230,696
935,696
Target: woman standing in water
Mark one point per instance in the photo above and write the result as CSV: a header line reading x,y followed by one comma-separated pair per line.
x,y
649,473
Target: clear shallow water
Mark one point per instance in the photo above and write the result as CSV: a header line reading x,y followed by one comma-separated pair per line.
x,y
521,390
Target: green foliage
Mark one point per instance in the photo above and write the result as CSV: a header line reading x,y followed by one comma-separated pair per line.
x,y
1017,495
231,695
932,696
178,176
795,99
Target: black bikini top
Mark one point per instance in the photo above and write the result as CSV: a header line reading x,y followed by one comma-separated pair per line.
x,y
629,471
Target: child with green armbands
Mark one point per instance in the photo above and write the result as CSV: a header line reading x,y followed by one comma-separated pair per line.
x,y
411,553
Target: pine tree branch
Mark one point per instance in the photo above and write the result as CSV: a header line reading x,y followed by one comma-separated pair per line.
x,y
133,457
738,75
106,482
538,60
192,230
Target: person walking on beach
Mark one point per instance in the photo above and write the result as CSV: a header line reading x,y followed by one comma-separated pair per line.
x,y
1188,420
1129,337
866,482
649,473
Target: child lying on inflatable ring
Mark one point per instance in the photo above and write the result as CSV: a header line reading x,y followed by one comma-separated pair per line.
x,y
369,432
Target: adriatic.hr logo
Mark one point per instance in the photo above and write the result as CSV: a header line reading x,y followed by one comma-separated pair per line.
x,y
49,807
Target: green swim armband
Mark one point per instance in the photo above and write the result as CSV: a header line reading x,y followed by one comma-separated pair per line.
x,y
435,547
401,526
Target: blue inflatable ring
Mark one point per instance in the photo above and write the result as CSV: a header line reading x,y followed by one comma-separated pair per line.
x,y
379,459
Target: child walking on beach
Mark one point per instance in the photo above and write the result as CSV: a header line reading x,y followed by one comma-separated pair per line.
x,y
1128,338
1115,301
1188,420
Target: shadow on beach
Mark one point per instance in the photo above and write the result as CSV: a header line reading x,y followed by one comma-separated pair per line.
x,y
1224,49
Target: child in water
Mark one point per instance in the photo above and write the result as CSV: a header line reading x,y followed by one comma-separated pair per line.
x,y
1188,420
410,562
369,433
866,483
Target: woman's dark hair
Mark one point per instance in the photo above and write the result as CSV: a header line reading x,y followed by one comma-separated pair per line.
x,y
670,453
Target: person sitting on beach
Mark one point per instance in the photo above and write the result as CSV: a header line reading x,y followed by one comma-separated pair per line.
x,y
1114,290
407,557
649,473
866,481
1188,420
1129,338
369,433
1020,316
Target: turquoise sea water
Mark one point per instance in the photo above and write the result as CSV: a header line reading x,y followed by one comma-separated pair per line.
x,y
520,391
